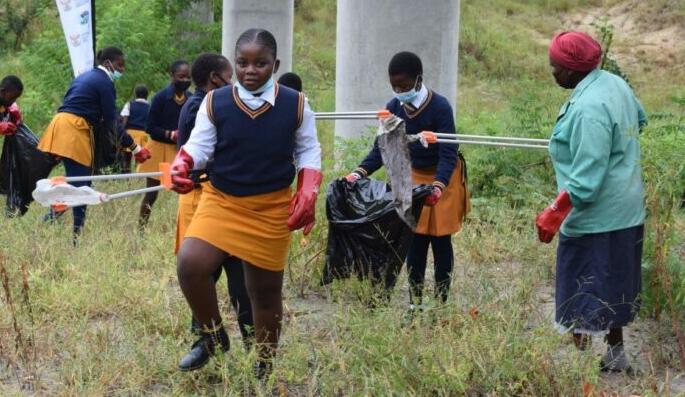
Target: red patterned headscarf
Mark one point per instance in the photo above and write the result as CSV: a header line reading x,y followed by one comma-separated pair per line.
x,y
575,51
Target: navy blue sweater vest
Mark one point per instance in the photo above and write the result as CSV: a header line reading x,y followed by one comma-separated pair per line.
x,y
137,119
254,149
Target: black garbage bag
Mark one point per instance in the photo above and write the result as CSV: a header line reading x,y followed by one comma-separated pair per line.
x,y
22,164
106,145
366,236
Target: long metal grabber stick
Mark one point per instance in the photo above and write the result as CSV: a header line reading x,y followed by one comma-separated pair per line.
x,y
134,192
492,138
111,177
104,197
428,137
362,115
44,187
499,144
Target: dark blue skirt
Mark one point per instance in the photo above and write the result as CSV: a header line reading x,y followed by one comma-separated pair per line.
x,y
598,280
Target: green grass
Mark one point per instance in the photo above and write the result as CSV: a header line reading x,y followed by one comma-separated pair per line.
x,y
108,317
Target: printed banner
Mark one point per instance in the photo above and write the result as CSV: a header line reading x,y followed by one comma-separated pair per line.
x,y
77,22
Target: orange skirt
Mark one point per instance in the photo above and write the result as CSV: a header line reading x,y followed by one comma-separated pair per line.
x,y
68,135
161,153
252,228
447,216
140,137
187,205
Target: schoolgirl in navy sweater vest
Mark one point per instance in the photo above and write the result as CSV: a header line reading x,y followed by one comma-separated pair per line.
x,y
438,164
134,119
162,126
209,72
260,135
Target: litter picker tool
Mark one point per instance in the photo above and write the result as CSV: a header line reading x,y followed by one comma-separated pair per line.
x,y
59,195
369,115
427,137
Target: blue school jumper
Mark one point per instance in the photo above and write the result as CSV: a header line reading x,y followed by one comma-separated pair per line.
x,y
186,121
93,97
137,118
254,149
435,114
164,113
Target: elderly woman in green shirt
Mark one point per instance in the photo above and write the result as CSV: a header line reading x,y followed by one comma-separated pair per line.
x,y
599,210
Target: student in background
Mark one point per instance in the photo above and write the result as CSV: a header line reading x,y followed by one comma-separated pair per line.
x,y
439,165
90,99
11,89
291,80
162,126
209,72
134,120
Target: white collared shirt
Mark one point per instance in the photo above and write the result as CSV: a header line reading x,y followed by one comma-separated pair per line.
x,y
202,141
423,94
109,74
126,111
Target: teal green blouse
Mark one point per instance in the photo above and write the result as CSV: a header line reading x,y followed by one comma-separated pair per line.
x,y
596,155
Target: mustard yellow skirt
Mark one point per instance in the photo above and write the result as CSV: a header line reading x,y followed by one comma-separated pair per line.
x,y
161,153
68,136
252,228
140,137
187,205
447,216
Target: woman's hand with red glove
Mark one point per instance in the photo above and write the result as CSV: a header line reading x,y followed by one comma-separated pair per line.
x,y
549,221
141,154
180,172
303,204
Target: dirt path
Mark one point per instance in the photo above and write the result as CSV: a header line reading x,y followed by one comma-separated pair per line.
x,y
647,34
650,348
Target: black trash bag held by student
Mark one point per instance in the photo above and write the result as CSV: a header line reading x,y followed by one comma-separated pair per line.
x,y
22,164
366,236
106,145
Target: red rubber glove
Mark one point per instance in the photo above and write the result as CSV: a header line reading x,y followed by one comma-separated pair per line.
x,y
15,114
174,135
352,177
181,166
549,221
434,197
303,204
7,128
141,154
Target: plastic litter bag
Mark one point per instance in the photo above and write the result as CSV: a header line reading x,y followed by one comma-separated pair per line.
x,y
47,194
22,164
106,140
366,236
393,143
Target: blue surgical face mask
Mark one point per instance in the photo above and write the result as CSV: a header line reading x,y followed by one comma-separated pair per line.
x,y
409,96
116,75
269,83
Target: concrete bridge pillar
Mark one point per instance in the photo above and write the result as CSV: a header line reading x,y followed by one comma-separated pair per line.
x,y
369,33
275,16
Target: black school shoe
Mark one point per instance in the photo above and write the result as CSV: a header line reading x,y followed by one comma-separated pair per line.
x,y
204,348
615,360
262,369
